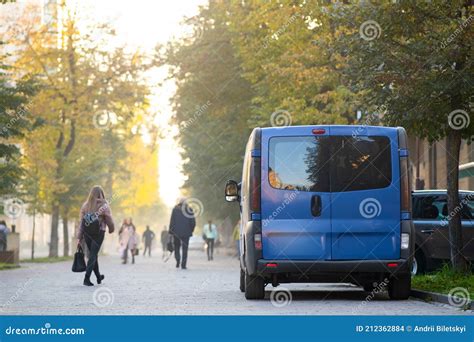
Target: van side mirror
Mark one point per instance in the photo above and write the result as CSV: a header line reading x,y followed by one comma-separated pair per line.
x,y
232,191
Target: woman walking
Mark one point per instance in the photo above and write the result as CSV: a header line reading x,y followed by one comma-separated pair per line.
x,y
128,240
95,216
210,235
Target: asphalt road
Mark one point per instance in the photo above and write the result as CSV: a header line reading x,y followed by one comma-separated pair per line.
x,y
152,287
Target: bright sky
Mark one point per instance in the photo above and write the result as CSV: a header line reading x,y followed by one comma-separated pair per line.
x,y
143,24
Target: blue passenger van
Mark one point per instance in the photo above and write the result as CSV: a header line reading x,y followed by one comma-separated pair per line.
x,y
325,204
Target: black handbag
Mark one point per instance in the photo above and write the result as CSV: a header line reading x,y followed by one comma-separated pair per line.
x,y
79,263
170,244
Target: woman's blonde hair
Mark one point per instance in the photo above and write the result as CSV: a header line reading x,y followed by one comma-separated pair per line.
x,y
95,199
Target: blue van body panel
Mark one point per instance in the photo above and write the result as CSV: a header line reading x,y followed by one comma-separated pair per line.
x,y
342,231
366,224
289,230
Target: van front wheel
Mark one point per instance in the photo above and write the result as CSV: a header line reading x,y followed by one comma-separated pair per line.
x,y
399,287
254,287
242,280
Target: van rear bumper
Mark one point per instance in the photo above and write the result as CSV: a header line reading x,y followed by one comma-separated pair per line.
x,y
310,267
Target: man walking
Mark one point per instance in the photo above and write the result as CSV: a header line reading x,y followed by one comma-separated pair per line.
x,y
148,237
182,225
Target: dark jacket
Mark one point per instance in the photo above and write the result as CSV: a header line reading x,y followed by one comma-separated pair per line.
x,y
182,225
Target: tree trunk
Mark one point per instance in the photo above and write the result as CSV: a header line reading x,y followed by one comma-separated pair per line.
x,y
453,146
33,235
65,235
53,245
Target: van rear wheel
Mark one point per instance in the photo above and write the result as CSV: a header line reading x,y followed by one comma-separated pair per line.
x,y
242,280
254,287
399,287
418,265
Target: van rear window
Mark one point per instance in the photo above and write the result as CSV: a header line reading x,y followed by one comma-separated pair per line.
x,y
330,163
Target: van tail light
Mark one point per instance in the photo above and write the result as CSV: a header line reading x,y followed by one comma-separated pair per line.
x,y
258,241
405,241
255,185
405,195
392,264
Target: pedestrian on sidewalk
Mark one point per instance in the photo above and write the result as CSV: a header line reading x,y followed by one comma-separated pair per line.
x,y
148,237
164,241
210,236
128,240
182,226
4,231
95,216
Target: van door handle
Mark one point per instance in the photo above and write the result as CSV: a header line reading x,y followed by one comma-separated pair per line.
x,y
316,205
427,231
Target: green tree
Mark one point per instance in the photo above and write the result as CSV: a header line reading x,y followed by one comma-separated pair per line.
x,y
14,121
280,47
212,106
415,60
86,89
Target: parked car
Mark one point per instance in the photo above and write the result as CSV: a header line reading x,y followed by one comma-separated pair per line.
x,y
431,218
325,204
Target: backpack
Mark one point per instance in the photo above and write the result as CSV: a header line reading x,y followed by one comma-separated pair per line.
x,y
90,224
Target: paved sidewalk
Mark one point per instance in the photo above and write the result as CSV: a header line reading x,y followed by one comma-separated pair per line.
x,y
152,287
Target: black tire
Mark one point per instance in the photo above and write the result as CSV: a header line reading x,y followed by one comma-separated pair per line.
x,y
242,280
399,287
254,287
419,264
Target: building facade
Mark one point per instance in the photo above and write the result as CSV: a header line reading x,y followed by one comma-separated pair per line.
x,y
428,164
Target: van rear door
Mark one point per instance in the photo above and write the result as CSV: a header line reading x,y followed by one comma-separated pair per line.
x,y
365,193
296,208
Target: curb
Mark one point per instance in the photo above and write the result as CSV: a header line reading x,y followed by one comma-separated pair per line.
x,y
440,298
